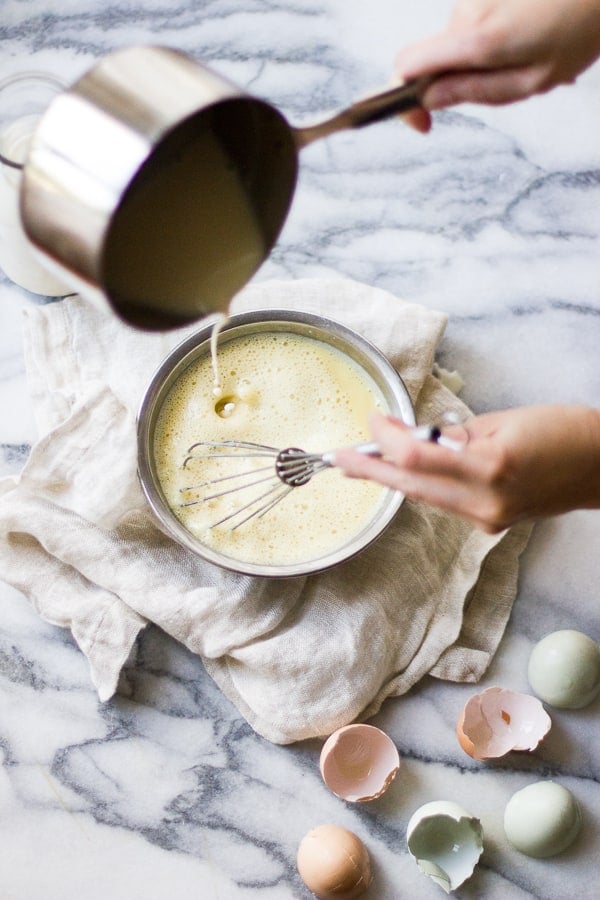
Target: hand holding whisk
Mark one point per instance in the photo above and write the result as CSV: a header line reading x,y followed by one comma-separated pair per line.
x,y
289,468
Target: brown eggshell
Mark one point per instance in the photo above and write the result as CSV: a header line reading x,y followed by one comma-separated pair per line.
x,y
359,762
497,721
334,863
463,740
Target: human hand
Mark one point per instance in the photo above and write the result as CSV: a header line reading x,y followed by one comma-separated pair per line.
x,y
518,464
500,51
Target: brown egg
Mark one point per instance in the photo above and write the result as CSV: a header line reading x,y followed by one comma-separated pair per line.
x,y
334,863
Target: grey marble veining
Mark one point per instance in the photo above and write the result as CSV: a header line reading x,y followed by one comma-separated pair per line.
x,y
165,791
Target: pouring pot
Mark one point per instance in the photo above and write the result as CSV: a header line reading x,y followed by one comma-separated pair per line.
x,y
159,186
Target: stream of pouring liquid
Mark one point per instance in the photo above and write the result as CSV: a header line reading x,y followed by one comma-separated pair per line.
x,y
214,341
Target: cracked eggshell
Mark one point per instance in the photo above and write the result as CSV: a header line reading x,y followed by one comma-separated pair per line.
x,y
334,863
497,721
359,762
446,842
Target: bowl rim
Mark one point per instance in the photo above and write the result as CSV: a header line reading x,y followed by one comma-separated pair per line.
x,y
196,345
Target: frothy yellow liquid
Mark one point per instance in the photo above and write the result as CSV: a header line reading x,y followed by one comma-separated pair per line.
x,y
284,390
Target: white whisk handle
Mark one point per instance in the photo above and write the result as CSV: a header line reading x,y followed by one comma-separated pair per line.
x,y
419,432
365,449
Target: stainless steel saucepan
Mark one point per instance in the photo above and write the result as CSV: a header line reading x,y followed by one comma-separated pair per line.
x,y
158,186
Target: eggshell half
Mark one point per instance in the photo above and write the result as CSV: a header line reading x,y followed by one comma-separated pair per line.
x,y
445,841
359,762
497,721
334,863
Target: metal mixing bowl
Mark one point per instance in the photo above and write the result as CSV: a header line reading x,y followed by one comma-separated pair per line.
x,y
343,339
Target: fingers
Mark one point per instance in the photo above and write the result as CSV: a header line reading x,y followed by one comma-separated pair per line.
x,y
399,446
477,60
407,465
403,455
495,87
518,464
460,497
442,52
419,119
457,481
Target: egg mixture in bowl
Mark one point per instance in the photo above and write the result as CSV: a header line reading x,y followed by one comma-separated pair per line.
x,y
280,379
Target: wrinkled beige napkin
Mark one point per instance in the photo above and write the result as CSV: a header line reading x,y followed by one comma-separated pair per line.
x,y
298,657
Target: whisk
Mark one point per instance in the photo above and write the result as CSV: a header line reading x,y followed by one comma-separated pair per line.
x,y
288,469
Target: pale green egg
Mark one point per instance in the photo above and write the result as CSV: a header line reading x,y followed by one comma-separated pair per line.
x,y
564,669
542,819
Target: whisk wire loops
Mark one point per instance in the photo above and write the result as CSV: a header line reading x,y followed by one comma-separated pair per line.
x,y
290,468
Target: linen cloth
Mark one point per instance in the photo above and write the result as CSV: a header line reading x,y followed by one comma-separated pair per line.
x,y
299,657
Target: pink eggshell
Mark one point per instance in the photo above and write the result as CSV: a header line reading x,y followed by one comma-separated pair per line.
x,y
359,762
497,721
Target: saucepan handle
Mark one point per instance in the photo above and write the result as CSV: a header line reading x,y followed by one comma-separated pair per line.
x,y
373,108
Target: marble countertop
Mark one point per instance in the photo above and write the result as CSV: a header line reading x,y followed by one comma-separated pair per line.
x,y
165,791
